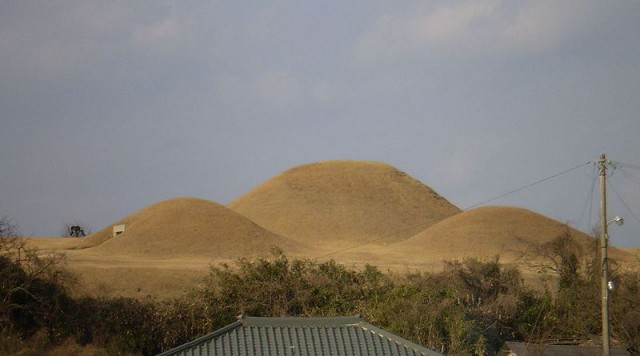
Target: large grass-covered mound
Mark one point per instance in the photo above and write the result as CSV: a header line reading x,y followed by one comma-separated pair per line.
x,y
345,202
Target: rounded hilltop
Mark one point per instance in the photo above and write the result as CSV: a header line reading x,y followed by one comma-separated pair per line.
x,y
510,232
344,202
189,227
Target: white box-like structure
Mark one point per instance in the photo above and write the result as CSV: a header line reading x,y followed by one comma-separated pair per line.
x,y
118,229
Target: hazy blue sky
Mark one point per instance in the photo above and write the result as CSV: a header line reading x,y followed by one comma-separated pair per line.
x,y
109,106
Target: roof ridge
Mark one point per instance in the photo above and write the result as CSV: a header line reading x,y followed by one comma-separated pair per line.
x,y
204,338
328,321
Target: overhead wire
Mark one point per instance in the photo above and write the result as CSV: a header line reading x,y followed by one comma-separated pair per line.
x,y
631,177
377,239
589,202
528,185
624,203
622,164
470,207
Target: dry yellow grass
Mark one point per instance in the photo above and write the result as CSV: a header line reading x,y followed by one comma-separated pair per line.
x,y
486,231
343,202
509,232
191,227
354,212
166,248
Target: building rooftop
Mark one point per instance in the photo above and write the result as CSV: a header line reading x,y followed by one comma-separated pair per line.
x,y
300,336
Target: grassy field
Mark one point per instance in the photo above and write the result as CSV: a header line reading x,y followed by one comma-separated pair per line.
x,y
354,212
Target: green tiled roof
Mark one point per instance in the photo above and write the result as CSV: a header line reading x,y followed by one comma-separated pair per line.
x,y
300,336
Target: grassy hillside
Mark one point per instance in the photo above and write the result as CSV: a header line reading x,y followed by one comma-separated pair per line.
x,y
192,227
344,202
352,211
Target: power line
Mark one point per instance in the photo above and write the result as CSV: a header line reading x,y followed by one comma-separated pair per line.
x,y
470,207
631,177
528,185
621,164
433,222
625,204
351,247
589,202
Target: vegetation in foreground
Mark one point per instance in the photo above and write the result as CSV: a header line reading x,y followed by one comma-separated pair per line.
x,y
471,308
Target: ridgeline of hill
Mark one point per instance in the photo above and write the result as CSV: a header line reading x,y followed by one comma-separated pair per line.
x,y
343,202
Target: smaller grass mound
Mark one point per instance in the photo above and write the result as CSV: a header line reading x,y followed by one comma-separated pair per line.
x,y
189,227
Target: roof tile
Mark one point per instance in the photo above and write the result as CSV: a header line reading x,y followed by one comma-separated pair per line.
x,y
300,336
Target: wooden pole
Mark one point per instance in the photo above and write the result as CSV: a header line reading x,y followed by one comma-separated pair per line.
x,y
602,163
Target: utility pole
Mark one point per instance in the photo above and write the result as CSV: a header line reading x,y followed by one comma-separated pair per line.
x,y
602,164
